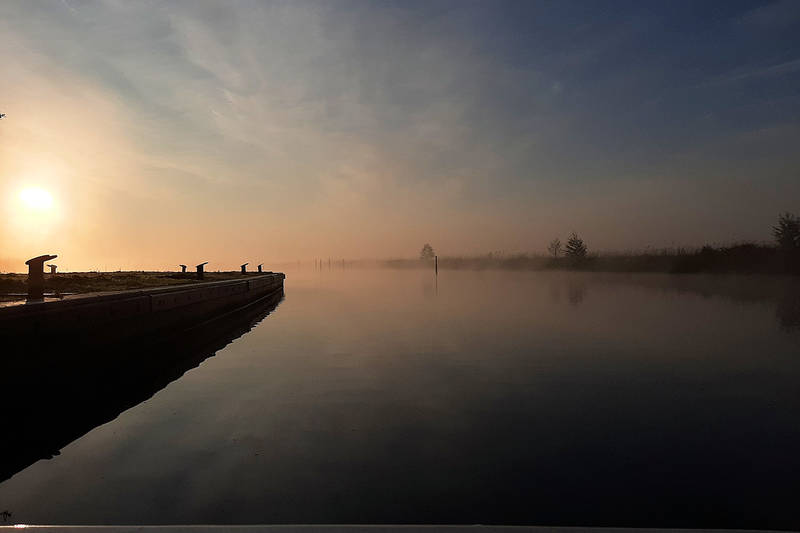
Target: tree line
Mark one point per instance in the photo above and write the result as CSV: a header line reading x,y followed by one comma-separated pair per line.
x,y
782,257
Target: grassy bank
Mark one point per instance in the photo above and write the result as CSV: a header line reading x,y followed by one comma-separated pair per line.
x,y
81,282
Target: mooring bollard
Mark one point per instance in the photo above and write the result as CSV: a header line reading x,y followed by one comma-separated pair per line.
x,y
183,269
259,267
53,269
200,274
36,276
244,268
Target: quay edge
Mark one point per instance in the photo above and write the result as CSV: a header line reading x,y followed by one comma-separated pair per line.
x,y
115,316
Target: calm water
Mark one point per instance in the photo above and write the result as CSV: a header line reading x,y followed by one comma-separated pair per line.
x,y
494,397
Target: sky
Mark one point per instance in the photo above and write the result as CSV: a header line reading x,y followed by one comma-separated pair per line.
x,y
161,133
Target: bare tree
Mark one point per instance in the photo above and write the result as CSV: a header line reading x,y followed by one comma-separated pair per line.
x,y
427,252
554,248
787,232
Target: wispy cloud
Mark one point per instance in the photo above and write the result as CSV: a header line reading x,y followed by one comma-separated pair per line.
x,y
763,71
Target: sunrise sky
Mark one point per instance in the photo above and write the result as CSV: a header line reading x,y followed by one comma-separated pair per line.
x,y
147,134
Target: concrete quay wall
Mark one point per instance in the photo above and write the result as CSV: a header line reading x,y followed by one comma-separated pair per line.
x,y
116,315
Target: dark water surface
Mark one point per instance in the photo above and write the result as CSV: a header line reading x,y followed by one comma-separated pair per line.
x,y
494,398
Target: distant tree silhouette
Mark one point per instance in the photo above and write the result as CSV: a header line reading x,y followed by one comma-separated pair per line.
x,y
554,248
427,252
787,232
576,249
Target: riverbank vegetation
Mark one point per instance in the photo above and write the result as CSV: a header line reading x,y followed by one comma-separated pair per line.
x,y
736,258
782,257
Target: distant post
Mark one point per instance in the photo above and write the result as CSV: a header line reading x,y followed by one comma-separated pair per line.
x,y
259,267
183,269
200,273
36,276
244,268
53,269
436,264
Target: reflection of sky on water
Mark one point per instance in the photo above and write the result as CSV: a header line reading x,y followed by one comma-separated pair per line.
x,y
375,397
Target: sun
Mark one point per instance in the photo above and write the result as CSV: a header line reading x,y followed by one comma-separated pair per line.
x,y
36,198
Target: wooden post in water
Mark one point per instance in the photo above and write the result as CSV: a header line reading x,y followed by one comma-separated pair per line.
x,y
436,264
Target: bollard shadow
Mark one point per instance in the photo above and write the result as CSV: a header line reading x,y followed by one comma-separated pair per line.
x,y
47,405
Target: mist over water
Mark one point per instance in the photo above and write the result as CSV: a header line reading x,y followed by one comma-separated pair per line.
x,y
388,396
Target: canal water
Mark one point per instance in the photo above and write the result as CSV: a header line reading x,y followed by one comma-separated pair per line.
x,y
386,396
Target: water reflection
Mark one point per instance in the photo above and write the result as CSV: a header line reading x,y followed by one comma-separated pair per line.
x,y
788,311
576,292
781,292
511,398
57,398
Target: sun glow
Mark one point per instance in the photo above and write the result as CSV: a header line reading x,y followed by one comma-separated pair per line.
x,y
36,198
